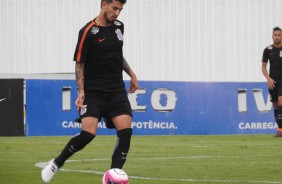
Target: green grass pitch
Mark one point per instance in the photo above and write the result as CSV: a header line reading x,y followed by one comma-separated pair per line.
x,y
151,160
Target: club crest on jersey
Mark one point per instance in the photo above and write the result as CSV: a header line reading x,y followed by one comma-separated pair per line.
x,y
270,47
94,30
280,53
119,34
117,23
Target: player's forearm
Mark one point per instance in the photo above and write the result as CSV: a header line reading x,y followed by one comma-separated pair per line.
x,y
127,69
265,72
79,76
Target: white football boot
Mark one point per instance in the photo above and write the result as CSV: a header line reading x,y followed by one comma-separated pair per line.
x,y
49,171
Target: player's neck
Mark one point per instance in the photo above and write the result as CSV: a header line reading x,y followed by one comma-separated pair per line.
x,y
101,21
277,45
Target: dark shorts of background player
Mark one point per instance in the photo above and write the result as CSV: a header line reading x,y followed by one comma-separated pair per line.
x,y
276,92
106,105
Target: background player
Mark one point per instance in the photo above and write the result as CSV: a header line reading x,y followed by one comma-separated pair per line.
x,y
273,54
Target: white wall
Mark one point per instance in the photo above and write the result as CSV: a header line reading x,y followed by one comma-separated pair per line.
x,y
172,40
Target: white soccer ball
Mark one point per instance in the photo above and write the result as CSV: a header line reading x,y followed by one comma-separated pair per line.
x,y
115,176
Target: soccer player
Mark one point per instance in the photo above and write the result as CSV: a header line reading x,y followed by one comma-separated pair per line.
x,y
101,90
273,54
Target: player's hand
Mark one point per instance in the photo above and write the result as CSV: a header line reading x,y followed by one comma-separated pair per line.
x,y
271,83
133,84
79,101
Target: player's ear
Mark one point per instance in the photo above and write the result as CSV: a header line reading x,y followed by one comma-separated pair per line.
x,y
103,4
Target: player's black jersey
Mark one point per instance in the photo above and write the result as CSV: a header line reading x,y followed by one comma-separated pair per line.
x,y
100,48
274,55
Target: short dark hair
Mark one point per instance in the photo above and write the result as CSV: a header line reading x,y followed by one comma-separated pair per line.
x,y
110,1
277,29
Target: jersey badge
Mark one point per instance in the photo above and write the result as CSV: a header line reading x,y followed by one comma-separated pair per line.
x,y
119,34
117,23
94,30
280,53
270,47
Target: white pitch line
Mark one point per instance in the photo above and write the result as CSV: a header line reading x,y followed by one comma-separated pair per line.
x,y
180,157
43,164
96,159
200,146
173,179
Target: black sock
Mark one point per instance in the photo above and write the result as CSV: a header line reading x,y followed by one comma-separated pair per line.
x,y
121,148
76,144
276,115
279,117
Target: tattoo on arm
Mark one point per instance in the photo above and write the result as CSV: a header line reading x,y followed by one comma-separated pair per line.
x,y
126,66
79,75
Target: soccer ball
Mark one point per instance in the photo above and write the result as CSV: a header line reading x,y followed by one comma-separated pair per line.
x,y
115,176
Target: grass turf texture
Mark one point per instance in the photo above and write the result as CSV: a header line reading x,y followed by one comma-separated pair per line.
x,y
173,159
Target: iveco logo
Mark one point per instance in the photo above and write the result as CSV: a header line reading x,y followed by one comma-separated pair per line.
x,y
1,100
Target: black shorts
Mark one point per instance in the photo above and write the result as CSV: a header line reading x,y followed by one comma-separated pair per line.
x,y
275,92
106,105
